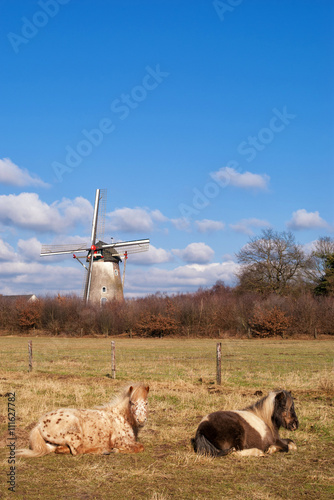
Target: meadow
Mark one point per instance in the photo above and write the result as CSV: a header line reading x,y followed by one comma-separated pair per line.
x,y
76,372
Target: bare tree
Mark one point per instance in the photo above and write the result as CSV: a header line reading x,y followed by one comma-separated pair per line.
x,y
272,262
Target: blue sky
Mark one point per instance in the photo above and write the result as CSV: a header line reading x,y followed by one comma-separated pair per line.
x,y
206,121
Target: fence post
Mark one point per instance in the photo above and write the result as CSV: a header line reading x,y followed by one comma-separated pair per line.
x,y
113,360
30,354
219,363
315,333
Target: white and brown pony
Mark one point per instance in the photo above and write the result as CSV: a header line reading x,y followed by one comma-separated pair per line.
x,y
252,431
110,428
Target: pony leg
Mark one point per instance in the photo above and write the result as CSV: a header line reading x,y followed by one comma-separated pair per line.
x,y
285,445
272,449
73,442
130,448
93,451
292,446
251,452
64,450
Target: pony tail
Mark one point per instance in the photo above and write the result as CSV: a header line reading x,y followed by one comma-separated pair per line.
x,y
38,447
202,446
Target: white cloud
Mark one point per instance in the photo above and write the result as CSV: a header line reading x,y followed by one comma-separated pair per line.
x,y
209,226
7,252
158,216
198,253
29,249
22,270
13,175
301,219
27,211
182,224
246,180
153,256
181,279
22,277
74,211
135,219
245,225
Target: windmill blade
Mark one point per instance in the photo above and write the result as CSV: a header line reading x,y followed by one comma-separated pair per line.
x,y
85,286
134,246
62,249
95,217
93,238
88,280
101,218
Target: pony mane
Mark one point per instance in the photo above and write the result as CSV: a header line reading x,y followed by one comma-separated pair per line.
x,y
121,400
264,408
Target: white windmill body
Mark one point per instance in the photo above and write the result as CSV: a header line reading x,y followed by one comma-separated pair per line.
x,y
103,280
106,282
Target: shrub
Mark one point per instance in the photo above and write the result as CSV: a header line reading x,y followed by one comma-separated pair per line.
x,y
155,325
269,323
28,314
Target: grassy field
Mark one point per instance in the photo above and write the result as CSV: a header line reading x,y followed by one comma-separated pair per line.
x,y
181,375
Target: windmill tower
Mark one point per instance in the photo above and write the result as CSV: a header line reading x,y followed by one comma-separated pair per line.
x,y
103,280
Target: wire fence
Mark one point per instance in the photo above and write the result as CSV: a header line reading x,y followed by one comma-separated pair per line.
x,y
190,360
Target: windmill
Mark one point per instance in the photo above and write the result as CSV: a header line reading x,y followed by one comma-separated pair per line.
x,y
103,280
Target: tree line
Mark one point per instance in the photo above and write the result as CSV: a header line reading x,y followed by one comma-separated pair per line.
x,y
281,291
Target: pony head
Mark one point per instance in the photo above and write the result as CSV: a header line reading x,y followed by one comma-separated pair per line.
x,y
284,413
138,403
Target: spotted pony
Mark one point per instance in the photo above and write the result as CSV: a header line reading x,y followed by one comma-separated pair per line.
x,y
110,428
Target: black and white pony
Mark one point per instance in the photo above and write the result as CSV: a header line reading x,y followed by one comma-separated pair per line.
x,y
249,432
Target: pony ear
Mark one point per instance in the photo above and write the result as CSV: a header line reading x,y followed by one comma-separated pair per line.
x,y
280,396
147,388
130,390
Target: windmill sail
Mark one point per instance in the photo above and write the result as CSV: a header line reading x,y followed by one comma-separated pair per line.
x,y
101,219
134,246
93,239
63,249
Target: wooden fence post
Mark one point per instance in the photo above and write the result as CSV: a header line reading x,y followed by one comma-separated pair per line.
x,y
113,360
30,354
219,363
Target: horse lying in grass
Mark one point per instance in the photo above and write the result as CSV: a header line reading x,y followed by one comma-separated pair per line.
x,y
110,428
249,432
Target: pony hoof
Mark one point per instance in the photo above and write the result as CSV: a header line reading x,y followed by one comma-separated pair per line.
x,y
292,447
258,453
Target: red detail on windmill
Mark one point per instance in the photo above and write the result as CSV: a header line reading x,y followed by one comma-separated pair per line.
x,y
74,256
126,255
93,247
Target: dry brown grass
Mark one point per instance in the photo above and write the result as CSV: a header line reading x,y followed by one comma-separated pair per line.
x,y
181,376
